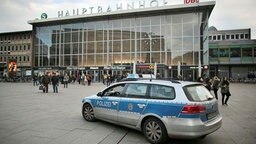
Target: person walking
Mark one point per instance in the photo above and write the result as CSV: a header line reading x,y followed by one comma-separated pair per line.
x,y
224,85
66,80
208,84
55,83
108,80
35,80
85,80
215,86
89,79
45,82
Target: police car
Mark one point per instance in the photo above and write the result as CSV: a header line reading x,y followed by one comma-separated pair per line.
x,y
160,109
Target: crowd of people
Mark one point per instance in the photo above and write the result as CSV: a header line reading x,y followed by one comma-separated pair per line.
x,y
54,79
215,84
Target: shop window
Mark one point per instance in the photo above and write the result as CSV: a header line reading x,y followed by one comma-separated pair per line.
x,y
213,53
247,52
224,52
235,52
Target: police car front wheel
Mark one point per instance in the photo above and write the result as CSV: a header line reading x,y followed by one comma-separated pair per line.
x,y
88,113
155,131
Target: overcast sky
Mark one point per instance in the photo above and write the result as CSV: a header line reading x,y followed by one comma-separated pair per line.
x,y
227,14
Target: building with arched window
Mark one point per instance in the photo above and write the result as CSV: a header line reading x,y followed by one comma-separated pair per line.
x,y
175,37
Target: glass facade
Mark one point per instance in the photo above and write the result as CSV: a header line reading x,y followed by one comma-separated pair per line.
x,y
166,39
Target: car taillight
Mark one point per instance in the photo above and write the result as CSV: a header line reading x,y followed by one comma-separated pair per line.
x,y
193,109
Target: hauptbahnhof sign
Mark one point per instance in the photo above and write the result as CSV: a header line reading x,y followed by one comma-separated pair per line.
x,y
118,7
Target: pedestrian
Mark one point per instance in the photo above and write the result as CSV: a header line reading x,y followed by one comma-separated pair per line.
x,y
85,80
105,76
89,79
158,76
190,78
224,85
45,82
55,83
208,84
215,86
78,79
108,80
35,80
66,80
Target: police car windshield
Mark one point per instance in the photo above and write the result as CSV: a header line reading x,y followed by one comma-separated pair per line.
x,y
197,93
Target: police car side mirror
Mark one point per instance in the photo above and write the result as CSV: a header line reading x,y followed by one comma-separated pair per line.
x,y
99,94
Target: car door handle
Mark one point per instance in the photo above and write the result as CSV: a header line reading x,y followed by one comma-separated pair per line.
x,y
141,105
114,103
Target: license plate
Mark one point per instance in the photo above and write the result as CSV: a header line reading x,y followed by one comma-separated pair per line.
x,y
211,115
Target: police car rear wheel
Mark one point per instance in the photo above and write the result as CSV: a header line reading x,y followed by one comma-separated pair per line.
x,y
88,113
155,131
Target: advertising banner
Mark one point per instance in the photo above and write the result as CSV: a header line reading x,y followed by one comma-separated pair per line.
x,y
12,66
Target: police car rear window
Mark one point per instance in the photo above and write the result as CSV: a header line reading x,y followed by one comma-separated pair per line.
x,y
162,92
197,93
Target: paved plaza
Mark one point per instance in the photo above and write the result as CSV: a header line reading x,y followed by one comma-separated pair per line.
x,y
28,116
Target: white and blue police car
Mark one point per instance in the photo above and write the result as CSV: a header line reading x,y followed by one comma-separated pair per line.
x,y
160,109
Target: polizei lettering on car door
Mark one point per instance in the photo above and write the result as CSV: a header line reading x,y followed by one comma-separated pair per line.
x,y
103,104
